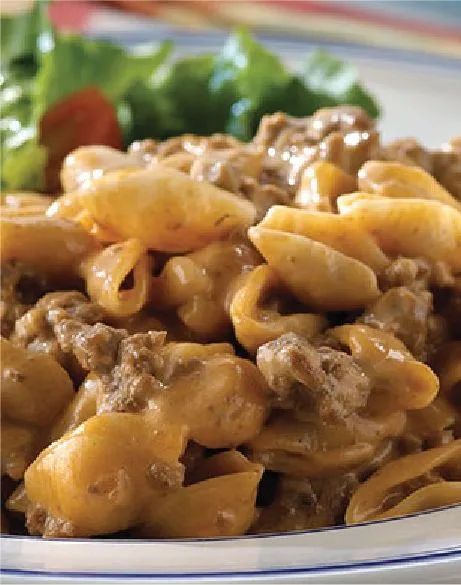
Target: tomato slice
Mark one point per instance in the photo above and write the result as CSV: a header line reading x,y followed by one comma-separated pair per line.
x,y
85,117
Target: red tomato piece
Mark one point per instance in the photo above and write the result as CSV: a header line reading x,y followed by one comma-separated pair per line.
x,y
83,118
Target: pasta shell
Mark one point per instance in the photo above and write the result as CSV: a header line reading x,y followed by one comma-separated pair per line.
x,y
68,206
394,179
82,407
409,383
314,449
448,367
221,501
321,184
187,214
20,445
255,325
54,247
95,479
369,501
220,506
105,272
338,232
224,403
319,276
409,227
42,390
90,162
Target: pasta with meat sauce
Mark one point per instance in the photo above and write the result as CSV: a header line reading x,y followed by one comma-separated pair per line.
x,y
202,337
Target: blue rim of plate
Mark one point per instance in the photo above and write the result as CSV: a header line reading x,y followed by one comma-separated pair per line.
x,y
423,558
432,556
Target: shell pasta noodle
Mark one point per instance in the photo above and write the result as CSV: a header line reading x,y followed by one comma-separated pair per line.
x,y
205,338
106,271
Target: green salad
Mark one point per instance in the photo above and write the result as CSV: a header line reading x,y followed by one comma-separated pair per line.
x,y
59,91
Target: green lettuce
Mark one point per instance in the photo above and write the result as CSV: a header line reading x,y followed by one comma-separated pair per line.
x,y
76,62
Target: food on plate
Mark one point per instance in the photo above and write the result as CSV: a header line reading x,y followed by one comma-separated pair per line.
x,y
206,337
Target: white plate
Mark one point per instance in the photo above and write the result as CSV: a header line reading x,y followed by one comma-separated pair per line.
x,y
421,548
421,97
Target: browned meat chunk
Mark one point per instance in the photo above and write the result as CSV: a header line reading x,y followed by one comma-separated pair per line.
x,y
447,167
344,136
301,503
407,151
405,314
416,274
134,375
20,288
322,380
94,346
149,150
67,325
282,132
37,329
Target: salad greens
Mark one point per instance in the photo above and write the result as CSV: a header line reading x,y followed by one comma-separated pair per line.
x,y
152,94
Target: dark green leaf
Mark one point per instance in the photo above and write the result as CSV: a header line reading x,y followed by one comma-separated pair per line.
x,y
254,77
149,114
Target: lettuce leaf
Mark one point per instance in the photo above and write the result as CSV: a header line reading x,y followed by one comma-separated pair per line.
x,y
145,114
184,88
253,76
23,160
76,62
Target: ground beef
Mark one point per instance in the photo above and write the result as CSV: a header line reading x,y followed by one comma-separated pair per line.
x,y
263,196
407,151
300,503
283,132
447,167
134,375
320,380
94,346
20,287
406,314
144,150
37,329
38,522
344,135
68,326
347,151
413,273
226,168
196,145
